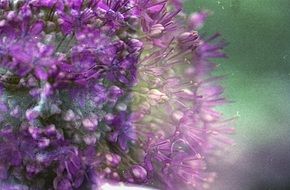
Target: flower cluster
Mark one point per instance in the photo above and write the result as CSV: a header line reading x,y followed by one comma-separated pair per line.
x,y
107,90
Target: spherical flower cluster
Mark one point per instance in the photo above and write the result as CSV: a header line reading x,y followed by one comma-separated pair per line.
x,y
95,91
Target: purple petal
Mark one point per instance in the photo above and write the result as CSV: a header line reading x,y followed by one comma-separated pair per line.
x,y
37,28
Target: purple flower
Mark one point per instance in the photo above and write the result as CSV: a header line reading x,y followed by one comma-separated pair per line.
x,y
59,4
197,20
139,173
107,90
113,159
123,131
4,4
75,20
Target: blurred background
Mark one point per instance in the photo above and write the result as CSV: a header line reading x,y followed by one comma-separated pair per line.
x,y
258,81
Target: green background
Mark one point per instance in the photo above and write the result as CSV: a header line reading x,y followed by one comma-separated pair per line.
x,y
258,81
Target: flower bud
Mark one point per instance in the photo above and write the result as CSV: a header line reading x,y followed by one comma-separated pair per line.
x,y
37,28
90,123
69,115
157,97
139,173
188,40
135,45
114,93
156,30
32,114
90,139
113,159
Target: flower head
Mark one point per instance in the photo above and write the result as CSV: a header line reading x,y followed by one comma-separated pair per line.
x,y
107,90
